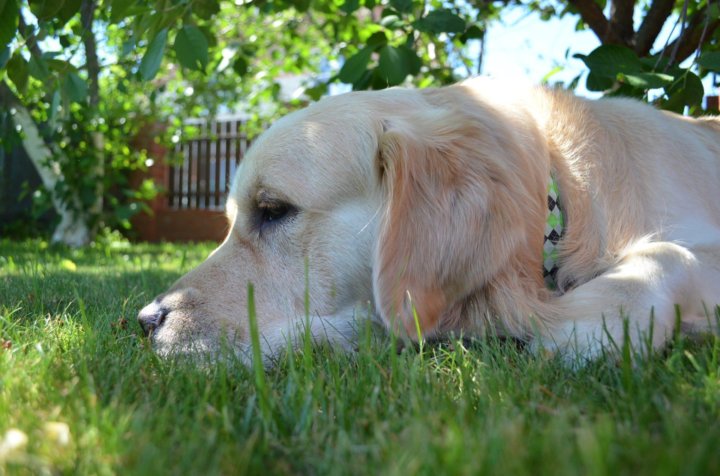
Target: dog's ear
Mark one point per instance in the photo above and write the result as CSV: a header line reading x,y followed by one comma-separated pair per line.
x,y
453,216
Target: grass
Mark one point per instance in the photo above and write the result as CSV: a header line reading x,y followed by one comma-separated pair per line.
x,y
90,397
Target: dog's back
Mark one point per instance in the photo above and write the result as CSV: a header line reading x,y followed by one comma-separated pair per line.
x,y
661,170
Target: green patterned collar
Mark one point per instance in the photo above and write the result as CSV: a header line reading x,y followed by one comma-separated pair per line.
x,y
554,228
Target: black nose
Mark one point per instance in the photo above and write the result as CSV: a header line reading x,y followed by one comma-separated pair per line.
x,y
151,317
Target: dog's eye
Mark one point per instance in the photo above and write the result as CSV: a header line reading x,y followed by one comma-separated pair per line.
x,y
270,213
274,212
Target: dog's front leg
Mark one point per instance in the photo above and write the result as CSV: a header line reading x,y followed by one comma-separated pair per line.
x,y
640,299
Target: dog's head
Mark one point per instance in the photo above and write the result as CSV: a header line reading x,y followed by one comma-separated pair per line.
x,y
396,204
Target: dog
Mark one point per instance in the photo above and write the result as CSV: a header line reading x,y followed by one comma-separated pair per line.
x,y
426,210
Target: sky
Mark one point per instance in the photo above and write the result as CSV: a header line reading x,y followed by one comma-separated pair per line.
x,y
521,46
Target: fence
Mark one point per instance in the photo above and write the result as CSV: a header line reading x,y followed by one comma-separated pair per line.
x,y
206,165
196,177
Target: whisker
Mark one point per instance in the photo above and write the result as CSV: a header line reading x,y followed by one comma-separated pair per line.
x,y
370,220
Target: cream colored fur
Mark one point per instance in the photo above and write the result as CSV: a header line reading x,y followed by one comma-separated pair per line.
x,y
435,201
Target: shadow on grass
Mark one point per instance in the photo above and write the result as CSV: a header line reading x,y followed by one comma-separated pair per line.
x,y
37,250
65,292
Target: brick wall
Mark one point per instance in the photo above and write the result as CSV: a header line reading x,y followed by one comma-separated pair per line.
x,y
166,223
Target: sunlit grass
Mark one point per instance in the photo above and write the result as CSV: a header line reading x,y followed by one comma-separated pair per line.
x,y
81,393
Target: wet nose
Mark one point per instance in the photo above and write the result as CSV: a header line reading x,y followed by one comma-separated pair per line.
x,y
151,317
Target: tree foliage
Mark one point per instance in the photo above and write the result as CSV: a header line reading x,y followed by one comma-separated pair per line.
x,y
662,47
93,73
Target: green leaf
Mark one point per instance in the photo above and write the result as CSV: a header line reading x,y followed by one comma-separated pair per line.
x,y
4,56
473,32
54,106
608,61
656,63
350,6
364,81
191,48
45,9
87,196
38,68
646,80
377,39
625,90
17,71
595,82
127,47
153,56
60,66
75,88
9,14
68,10
240,65
209,36
355,66
713,11
206,9
393,66
119,9
686,90
710,61
413,63
404,6
301,5
125,212
391,22
440,21
317,91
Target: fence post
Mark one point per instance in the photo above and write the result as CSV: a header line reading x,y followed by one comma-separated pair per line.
x,y
712,104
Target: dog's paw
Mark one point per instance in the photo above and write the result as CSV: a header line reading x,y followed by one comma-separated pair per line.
x,y
572,345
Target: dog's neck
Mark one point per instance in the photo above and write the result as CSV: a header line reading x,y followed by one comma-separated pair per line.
x,y
554,228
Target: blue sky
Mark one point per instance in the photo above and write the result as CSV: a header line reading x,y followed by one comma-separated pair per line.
x,y
522,46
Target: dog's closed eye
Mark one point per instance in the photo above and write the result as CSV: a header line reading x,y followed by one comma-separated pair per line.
x,y
274,212
271,212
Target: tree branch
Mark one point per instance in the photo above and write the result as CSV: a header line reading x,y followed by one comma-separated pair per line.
x,y
29,35
592,14
651,25
31,42
7,97
87,13
621,20
696,34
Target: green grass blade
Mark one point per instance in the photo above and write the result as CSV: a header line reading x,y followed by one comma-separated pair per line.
x,y
257,358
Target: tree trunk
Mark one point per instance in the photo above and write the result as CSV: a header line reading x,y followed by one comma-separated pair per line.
x,y
73,229
87,15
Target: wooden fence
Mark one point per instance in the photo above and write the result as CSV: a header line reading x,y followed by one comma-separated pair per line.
x,y
196,177
205,165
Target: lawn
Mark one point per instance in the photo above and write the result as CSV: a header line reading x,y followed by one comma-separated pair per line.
x,y
81,393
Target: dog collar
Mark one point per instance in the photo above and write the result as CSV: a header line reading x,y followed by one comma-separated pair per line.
x,y
554,228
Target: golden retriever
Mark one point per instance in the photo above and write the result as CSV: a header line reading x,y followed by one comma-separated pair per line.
x,y
427,208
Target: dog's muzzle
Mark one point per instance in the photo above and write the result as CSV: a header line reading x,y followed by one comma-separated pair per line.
x,y
151,317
